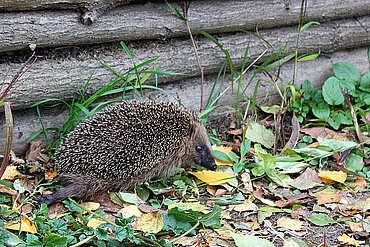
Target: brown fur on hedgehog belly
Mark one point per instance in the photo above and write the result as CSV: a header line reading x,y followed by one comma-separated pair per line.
x,y
127,144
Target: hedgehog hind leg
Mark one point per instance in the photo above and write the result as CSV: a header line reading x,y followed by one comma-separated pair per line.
x,y
77,187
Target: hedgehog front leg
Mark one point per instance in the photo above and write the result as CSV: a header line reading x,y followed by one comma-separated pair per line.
x,y
70,191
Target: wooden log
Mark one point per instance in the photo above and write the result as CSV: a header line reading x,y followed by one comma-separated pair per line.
x,y
157,21
62,77
26,122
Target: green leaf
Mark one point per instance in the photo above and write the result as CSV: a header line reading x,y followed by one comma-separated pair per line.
x,y
260,134
346,71
331,91
55,240
365,82
354,163
321,111
212,219
309,57
101,234
305,26
250,241
321,219
336,145
221,156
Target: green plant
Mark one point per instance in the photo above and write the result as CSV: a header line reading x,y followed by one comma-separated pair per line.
x,y
329,104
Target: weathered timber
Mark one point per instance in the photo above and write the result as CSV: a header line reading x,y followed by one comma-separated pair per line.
x,y
62,77
155,20
26,122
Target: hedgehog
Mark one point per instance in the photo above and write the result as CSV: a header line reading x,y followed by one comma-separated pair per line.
x,y
127,144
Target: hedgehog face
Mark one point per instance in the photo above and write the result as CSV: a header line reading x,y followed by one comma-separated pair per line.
x,y
201,150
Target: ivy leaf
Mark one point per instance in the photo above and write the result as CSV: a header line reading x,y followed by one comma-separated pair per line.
x,y
331,91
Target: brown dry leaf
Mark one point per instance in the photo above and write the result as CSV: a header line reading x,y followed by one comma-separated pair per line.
x,y
291,224
292,142
151,222
330,176
50,175
360,184
95,222
225,150
220,192
356,227
24,226
246,179
211,189
348,240
10,173
235,132
325,133
211,177
27,208
132,210
147,208
34,150
323,198
244,207
7,190
362,205
296,199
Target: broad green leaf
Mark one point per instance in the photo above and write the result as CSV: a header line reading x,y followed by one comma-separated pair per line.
x,y
213,218
346,71
336,145
54,240
365,82
331,91
313,152
354,163
321,219
321,111
250,241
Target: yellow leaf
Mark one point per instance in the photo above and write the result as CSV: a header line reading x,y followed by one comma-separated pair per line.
x,y
150,222
290,224
244,207
132,210
336,176
92,206
193,206
348,240
95,222
211,177
24,226
323,198
225,150
10,173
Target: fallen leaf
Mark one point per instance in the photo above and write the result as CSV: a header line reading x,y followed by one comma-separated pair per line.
x,y
92,206
220,192
34,150
10,173
292,142
250,241
360,184
50,175
323,198
246,179
129,211
25,225
95,222
291,243
363,205
211,189
325,133
211,177
225,150
291,224
244,207
151,222
235,132
195,206
356,227
330,176
260,134
348,240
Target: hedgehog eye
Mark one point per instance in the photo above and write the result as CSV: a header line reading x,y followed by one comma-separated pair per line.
x,y
199,148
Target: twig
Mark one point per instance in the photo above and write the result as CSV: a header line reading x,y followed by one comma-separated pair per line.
x,y
9,137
